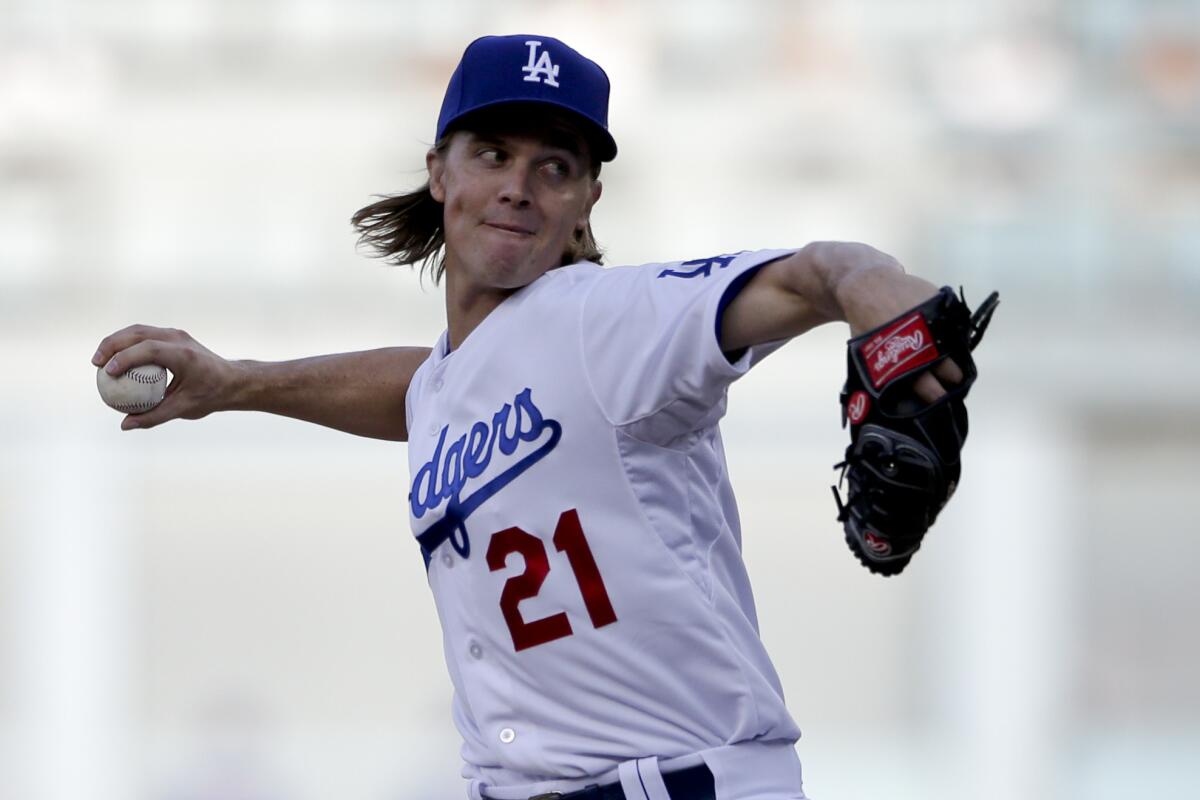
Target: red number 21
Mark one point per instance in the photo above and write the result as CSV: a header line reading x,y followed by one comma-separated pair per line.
x,y
569,539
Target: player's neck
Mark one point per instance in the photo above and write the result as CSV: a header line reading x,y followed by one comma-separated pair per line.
x,y
467,306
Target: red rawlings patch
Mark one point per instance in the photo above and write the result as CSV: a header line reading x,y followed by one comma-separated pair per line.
x,y
898,349
858,406
877,544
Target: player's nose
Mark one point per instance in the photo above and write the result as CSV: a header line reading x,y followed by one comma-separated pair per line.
x,y
514,185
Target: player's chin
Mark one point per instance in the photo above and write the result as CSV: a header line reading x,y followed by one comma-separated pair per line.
x,y
513,269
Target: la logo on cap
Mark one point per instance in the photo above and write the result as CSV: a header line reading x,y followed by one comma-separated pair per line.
x,y
529,68
540,68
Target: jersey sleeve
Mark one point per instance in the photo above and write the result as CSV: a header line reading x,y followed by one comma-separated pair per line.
x,y
416,383
650,339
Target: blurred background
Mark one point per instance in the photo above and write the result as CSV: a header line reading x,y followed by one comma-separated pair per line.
x,y
233,609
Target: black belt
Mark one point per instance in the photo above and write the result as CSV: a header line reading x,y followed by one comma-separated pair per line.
x,y
693,783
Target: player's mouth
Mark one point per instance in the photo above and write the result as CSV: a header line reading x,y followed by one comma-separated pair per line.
x,y
514,229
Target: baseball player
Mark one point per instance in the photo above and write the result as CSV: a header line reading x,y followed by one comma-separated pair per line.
x,y
568,489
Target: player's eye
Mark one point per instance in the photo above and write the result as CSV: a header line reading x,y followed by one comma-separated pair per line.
x,y
557,167
491,155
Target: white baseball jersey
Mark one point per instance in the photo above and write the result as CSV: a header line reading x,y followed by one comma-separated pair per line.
x,y
570,493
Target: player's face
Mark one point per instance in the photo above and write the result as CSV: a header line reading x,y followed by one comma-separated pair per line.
x,y
513,199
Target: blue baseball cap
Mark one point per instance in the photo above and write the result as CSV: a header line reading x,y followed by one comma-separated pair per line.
x,y
530,69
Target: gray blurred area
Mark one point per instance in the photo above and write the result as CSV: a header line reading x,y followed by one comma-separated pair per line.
x,y
233,609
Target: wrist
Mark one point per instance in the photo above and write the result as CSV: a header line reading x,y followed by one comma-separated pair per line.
x,y
864,285
245,382
874,295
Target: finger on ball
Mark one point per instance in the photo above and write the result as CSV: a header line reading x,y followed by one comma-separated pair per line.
x,y
134,391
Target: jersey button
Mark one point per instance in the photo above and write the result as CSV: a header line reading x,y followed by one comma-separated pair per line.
x,y
475,650
507,735
437,384
448,560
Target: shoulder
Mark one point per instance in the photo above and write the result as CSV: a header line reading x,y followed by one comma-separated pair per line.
x,y
587,282
572,284
694,274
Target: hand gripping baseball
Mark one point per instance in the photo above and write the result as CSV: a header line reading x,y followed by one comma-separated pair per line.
x,y
903,461
202,382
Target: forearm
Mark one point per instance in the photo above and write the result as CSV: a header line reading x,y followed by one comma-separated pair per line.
x,y
819,283
847,281
361,392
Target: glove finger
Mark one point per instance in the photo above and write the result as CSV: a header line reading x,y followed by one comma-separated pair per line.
x,y
929,388
949,372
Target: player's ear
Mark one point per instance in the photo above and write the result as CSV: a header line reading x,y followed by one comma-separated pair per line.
x,y
597,189
437,173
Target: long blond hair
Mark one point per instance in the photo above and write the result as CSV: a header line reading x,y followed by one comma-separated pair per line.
x,y
408,229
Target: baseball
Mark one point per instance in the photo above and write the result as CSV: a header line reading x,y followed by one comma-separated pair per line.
x,y
137,390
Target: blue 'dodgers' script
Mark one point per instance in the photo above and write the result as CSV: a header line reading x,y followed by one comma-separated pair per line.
x,y
452,468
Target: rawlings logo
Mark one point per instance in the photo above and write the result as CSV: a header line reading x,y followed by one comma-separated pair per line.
x,y
856,409
444,476
877,544
898,350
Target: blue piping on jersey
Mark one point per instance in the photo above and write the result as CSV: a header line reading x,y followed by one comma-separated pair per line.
x,y
638,764
731,291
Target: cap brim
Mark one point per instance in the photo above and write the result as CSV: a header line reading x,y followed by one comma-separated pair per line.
x,y
599,139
